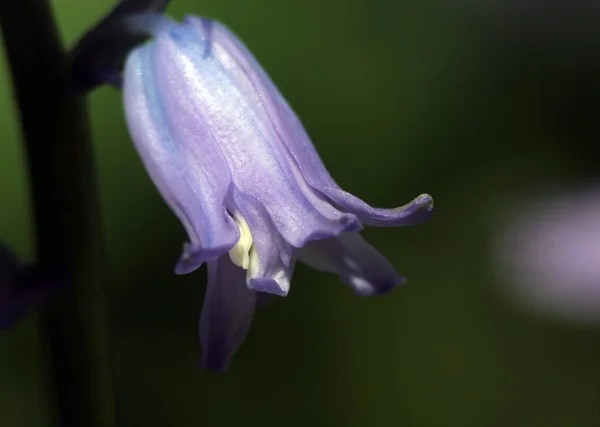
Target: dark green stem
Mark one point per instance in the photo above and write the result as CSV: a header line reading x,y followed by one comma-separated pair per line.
x,y
67,221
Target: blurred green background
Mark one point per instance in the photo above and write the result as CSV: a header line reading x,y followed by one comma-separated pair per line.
x,y
475,106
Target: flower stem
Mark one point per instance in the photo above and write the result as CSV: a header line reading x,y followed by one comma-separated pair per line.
x,y
67,221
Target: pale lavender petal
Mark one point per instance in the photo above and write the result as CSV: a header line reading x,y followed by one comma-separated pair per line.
x,y
289,132
415,212
226,313
260,164
182,159
275,264
356,262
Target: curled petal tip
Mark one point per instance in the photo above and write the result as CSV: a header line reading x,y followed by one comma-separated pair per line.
x,y
417,211
425,201
423,207
184,267
193,256
414,212
421,204
188,264
189,260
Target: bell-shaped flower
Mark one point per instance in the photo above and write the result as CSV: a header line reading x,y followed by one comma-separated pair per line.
x,y
235,164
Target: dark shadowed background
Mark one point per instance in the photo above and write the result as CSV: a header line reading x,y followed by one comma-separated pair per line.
x,y
478,103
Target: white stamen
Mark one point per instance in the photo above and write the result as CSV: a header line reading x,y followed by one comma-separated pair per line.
x,y
240,253
253,264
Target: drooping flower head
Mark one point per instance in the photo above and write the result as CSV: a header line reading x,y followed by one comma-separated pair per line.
x,y
235,164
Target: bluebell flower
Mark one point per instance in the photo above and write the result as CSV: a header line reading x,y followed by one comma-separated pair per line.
x,y
235,164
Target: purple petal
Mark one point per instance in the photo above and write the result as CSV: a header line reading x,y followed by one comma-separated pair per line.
x,y
356,262
412,213
290,133
226,314
181,156
286,124
275,264
99,55
219,91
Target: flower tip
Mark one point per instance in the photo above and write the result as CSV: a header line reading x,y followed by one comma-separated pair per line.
x,y
383,286
188,262
192,257
420,209
425,201
186,266
269,286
